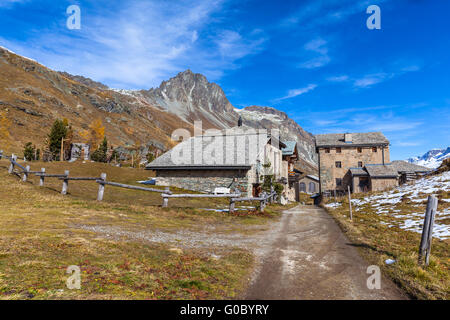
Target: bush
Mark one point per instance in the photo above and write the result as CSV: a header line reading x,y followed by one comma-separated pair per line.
x,y
30,153
100,155
278,187
150,157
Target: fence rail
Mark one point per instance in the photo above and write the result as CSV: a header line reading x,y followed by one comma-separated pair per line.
x,y
102,182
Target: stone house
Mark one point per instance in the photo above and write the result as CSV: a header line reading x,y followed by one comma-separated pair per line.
x,y
361,161
236,158
290,156
309,184
80,151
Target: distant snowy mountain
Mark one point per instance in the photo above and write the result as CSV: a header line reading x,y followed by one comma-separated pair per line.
x,y
431,159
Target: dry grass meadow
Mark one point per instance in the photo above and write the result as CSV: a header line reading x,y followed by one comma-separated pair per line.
x,y
40,237
378,240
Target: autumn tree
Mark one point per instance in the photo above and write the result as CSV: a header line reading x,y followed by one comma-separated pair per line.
x,y
94,136
97,133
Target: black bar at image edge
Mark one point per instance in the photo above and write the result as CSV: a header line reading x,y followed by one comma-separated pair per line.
x,y
233,309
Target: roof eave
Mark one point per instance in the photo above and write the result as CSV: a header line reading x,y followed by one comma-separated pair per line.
x,y
353,145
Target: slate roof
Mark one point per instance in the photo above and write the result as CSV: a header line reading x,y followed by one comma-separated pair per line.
x,y
313,177
290,148
358,139
236,151
381,171
358,172
403,166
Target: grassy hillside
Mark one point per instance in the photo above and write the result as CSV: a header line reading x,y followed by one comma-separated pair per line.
x,y
388,225
32,97
127,246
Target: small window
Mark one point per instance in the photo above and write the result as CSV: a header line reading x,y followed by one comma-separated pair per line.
x,y
359,150
312,187
360,164
374,149
327,150
302,187
338,164
338,150
338,182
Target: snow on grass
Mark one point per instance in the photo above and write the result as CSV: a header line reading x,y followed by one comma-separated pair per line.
x,y
405,205
333,205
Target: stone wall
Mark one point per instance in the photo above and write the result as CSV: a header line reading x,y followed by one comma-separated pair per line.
x,y
381,184
204,180
307,181
349,158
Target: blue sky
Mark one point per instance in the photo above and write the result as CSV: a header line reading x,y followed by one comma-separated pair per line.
x,y
315,60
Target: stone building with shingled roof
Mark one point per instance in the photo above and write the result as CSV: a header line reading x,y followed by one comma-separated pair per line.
x,y
232,158
361,161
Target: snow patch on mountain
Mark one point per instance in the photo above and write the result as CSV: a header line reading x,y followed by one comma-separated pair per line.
x,y
432,159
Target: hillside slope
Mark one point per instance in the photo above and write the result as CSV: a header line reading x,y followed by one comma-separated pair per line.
x,y
33,96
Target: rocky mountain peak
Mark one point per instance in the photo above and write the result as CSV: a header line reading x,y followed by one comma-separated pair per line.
x,y
192,97
431,159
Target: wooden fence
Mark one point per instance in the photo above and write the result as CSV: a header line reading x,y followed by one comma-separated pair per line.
x,y
102,182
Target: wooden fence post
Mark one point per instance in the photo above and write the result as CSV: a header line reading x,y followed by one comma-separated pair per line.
x,y
271,194
11,166
166,199
41,180
25,174
430,232
350,203
261,206
101,187
231,205
65,185
427,230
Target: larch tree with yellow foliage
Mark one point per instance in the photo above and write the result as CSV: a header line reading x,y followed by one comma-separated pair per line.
x,y
94,136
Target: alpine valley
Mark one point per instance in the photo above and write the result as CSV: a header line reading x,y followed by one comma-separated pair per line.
x,y
33,96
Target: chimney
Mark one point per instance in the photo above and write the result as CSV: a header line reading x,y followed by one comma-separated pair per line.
x,y
348,138
240,121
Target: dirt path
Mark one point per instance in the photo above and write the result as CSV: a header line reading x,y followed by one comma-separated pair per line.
x,y
310,258
302,256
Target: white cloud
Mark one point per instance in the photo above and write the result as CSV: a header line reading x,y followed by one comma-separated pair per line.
x,y
142,43
9,3
314,13
231,44
317,46
194,36
297,92
408,143
342,78
371,79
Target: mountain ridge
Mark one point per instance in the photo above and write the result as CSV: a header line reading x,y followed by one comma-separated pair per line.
x,y
432,158
132,118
